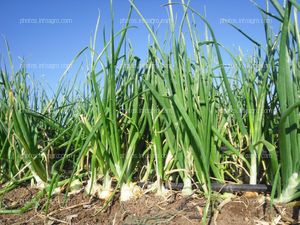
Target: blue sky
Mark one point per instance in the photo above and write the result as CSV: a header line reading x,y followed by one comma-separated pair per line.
x,y
49,33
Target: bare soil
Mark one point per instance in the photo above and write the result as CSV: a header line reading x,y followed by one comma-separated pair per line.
x,y
148,209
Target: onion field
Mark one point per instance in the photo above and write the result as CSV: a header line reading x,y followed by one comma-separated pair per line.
x,y
182,117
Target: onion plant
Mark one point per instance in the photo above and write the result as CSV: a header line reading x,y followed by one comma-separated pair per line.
x,y
287,84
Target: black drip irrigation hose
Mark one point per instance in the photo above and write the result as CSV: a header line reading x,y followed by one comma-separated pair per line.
x,y
218,187
261,188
